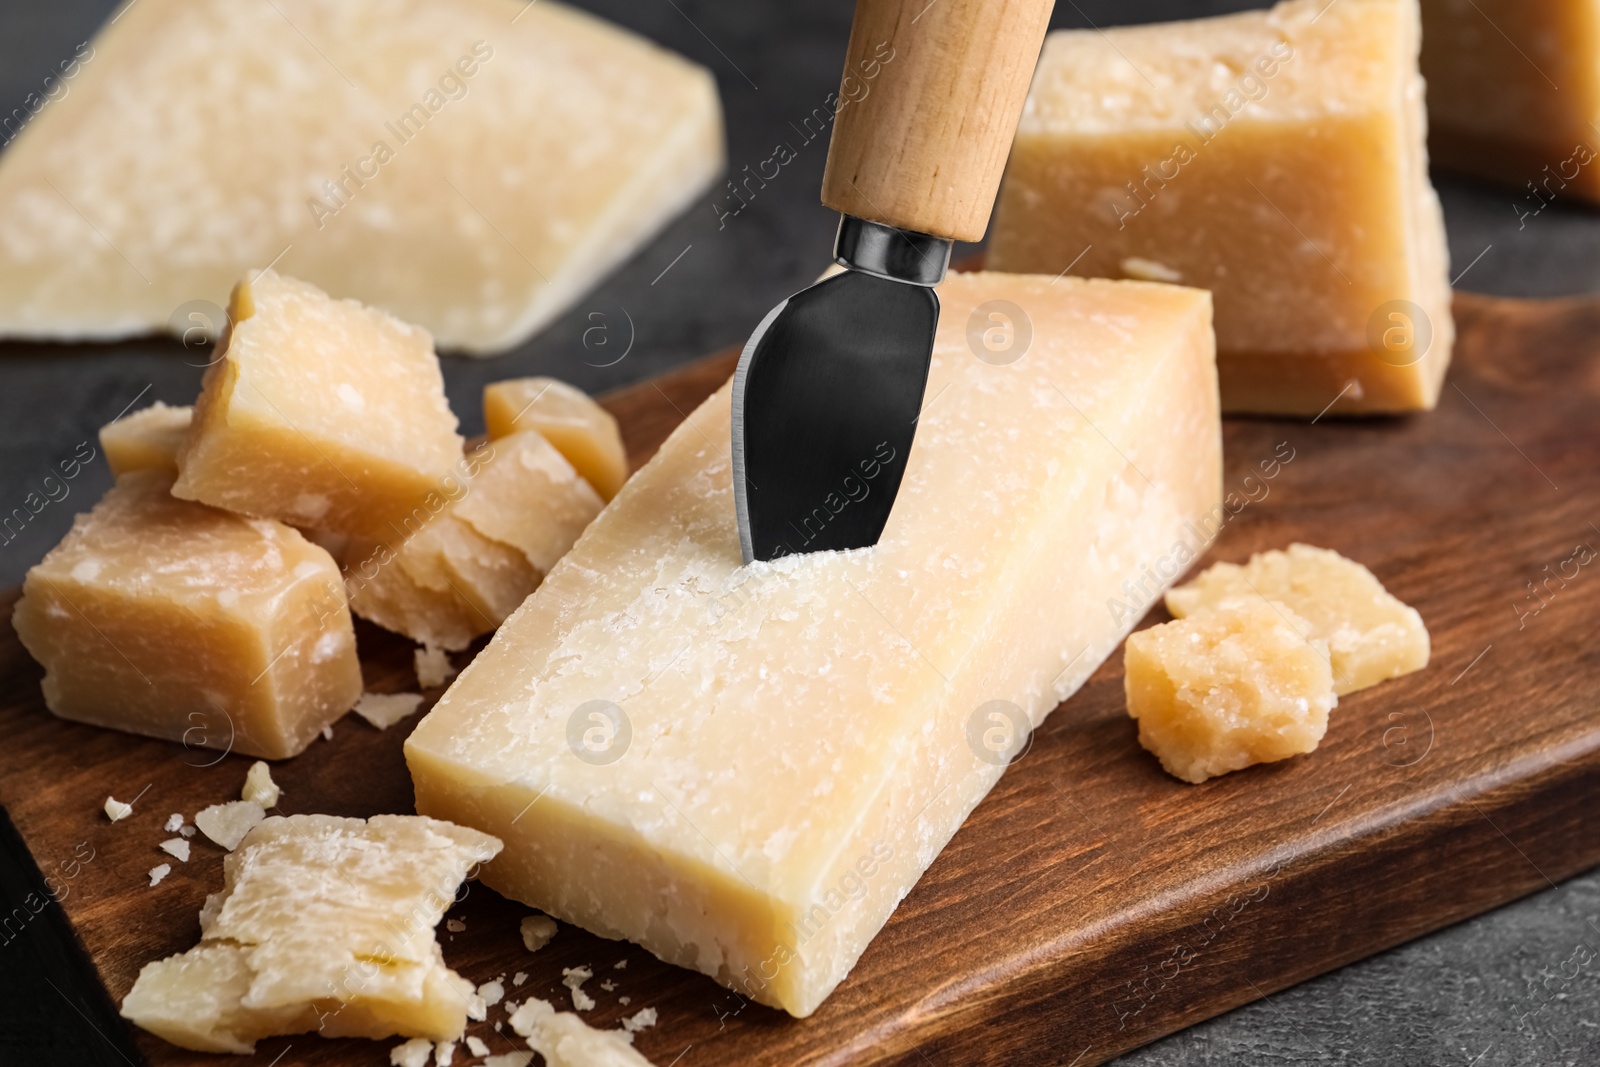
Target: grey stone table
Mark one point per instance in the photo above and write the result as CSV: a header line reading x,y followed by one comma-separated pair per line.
x,y
1506,988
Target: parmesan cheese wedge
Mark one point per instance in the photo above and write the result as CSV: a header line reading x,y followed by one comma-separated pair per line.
x,y
1514,94
323,924
695,755
1277,158
470,165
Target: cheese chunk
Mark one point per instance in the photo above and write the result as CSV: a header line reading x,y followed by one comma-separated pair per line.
x,y
147,439
323,924
471,165
527,495
1228,688
1274,157
1371,636
320,413
581,429
474,562
1514,94
163,617
715,749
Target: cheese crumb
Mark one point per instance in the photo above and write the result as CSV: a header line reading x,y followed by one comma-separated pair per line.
x,y
327,732
620,965
186,831
383,710
492,992
158,873
433,666
509,1059
1228,688
573,978
226,824
116,810
564,1040
455,926
1148,270
174,823
639,1020
518,978
476,1046
414,1053
443,1053
537,930
624,1001
477,1010
177,847
608,985
259,786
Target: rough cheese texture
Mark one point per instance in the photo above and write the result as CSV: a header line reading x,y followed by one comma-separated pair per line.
x,y
1228,688
320,413
173,619
565,1040
470,165
1514,94
1274,157
147,439
774,729
323,924
1371,636
581,430
473,562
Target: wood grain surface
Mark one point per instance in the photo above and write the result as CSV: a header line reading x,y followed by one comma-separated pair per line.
x,y
1091,903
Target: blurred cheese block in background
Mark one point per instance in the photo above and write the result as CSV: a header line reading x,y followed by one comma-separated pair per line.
x,y
472,563
323,924
1273,157
1228,688
173,619
721,755
469,165
147,439
321,413
1371,636
1514,93
569,418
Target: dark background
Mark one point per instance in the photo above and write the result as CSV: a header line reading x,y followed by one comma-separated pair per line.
x,y
1451,999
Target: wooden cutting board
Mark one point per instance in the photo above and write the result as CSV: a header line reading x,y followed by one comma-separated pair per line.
x,y
1091,904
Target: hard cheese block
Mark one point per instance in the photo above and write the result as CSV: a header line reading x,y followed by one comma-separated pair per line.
x,y
147,439
323,924
321,413
1273,157
1228,688
1514,94
468,566
177,620
581,429
1371,636
470,165
696,755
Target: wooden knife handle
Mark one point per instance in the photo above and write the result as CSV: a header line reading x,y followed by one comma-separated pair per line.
x,y
927,110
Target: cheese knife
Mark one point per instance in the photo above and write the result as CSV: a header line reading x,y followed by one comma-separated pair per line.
x,y
829,387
